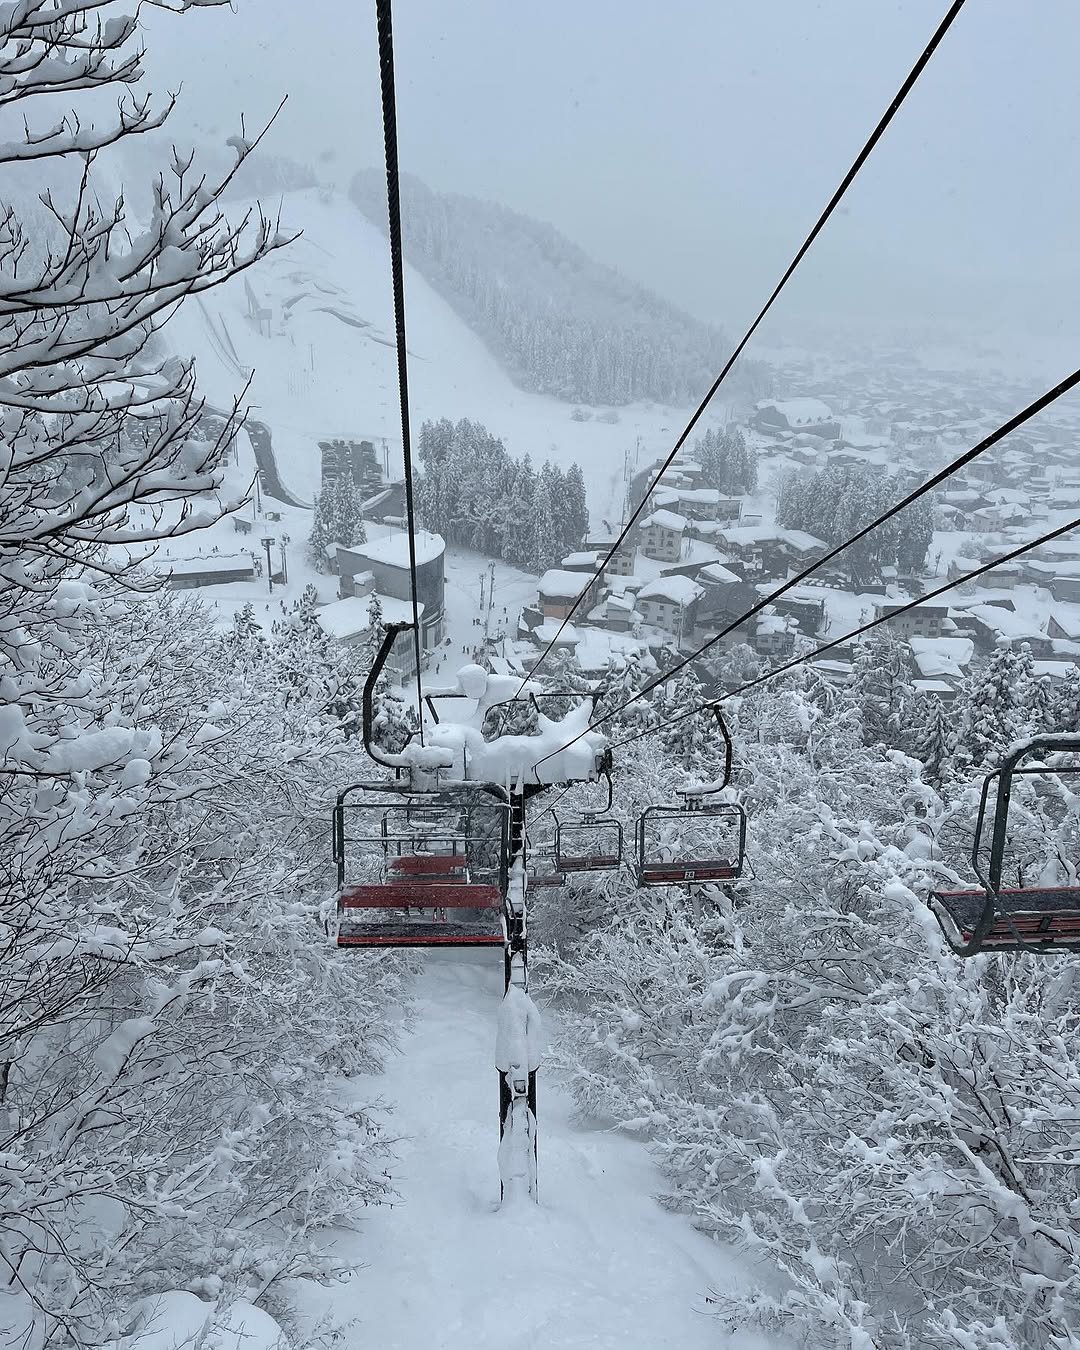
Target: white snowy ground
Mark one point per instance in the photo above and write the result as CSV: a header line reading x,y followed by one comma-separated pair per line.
x,y
598,1265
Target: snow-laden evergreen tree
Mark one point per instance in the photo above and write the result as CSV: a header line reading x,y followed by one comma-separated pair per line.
x,y
320,537
839,500
692,742
474,493
933,740
576,510
791,511
881,683
995,706
915,532
1064,711
344,517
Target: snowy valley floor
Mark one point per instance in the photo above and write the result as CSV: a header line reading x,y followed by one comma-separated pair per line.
x,y
597,1266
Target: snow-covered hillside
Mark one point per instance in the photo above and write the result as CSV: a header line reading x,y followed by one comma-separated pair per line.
x,y
327,367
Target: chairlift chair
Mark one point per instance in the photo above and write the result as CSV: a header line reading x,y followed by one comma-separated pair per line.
x,y
999,918
711,842
592,843
436,886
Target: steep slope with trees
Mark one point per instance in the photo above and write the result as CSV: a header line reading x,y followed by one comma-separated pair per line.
x,y
559,322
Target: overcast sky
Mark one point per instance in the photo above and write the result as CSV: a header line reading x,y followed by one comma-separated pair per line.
x,y
692,143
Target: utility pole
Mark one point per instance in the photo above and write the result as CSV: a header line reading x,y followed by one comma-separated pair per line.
x,y
284,561
256,506
267,541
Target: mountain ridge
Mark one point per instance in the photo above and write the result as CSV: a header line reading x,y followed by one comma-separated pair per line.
x,y
560,322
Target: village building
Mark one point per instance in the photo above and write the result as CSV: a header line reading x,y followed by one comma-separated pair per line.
x,y
928,620
993,625
214,570
386,559
349,621
669,603
807,415
662,535
559,589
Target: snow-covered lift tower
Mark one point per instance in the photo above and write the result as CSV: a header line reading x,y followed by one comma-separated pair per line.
x,y
438,858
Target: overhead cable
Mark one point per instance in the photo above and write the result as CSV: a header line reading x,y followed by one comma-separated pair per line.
x,y
893,613
950,469
393,205
864,154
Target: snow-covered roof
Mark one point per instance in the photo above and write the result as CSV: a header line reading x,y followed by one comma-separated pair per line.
x,y
561,584
548,631
1006,622
1068,620
583,559
1057,670
1055,569
800,540
215,562
717,572
941,656
800,412
394,548
1060,548
694,551
667,520
932,687
747,535
349,617
599,646
617,585
625,602
702,496
678,590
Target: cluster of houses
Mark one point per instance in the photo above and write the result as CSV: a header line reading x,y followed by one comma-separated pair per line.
x,y
700,560
692,565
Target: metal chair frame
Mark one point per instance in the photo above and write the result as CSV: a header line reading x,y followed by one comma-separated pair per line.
x,y
983,933
434,885
593,861
692,871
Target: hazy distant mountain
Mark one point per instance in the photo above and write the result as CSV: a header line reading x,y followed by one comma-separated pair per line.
x,y
560,322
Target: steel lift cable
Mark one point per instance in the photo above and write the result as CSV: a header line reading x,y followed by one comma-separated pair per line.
x,y
1013,554
1006,428
863,155
393,203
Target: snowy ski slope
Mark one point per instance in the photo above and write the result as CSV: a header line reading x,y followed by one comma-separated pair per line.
x,y
598,1265
328,366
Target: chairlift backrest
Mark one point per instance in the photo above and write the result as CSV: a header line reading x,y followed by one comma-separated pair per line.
x,y
1000,918
593,844
709,843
